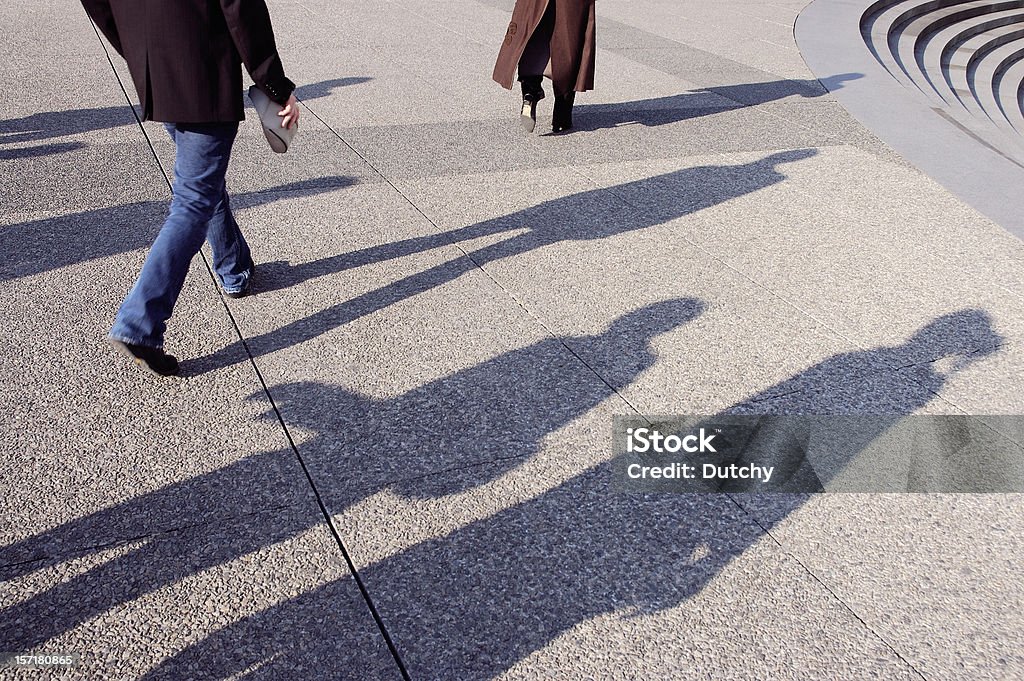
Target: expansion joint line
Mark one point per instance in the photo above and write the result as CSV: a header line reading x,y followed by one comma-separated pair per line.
x,y
270,398
479,266
846,606
766,529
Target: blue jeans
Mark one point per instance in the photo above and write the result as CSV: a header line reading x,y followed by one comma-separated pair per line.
x,y
200,210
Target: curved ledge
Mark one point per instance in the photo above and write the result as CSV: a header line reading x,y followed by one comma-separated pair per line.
x,y
943,84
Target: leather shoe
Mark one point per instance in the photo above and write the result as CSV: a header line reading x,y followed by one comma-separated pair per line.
x,y
152,360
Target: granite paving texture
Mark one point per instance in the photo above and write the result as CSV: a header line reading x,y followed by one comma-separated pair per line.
x,y
393,460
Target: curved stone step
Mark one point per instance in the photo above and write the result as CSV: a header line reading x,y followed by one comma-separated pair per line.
x,y
876,29
918,32
915,18
897,45
904,47
1010,90
932,47
990,68
963,63
962,56
898,31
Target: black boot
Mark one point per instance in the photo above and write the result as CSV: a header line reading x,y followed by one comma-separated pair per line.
x,y
533,92
561,118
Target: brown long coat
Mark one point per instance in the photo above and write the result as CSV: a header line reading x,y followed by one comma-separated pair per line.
x,y
573,43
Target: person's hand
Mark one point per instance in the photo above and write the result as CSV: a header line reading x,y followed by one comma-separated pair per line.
x,y
290,113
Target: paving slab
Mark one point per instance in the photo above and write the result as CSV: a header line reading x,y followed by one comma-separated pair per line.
x,y
823,114
554,257
129,608
147,514
880,266
946,554
453,148
766,46
380,380
509,594
448,314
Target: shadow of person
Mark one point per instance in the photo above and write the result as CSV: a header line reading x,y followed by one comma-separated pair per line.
x,y
697,103
42,245
809,453
326,88
474,602
488,419
46,125
753,94
586,216
19,153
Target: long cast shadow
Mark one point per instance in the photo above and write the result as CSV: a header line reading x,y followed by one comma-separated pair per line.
x,y
508,584
696,104
51,243
459,421
37,151
586,216
326,88
45,125
473,603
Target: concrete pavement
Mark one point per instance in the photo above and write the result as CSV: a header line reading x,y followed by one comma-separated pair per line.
x,y
393,459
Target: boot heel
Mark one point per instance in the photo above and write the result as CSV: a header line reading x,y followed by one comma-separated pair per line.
x,y
561,119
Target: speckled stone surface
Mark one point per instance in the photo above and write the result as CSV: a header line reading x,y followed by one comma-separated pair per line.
x,y
403,437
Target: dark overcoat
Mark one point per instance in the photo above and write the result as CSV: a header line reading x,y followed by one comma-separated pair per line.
x,y
573,43
185,56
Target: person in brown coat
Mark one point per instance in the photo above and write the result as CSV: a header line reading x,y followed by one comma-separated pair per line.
x,y
554,38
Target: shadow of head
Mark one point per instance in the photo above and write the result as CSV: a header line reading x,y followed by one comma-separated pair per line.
x,y
964,337
326,87
643,325
789,156
623,352
458,432
836,82
761,172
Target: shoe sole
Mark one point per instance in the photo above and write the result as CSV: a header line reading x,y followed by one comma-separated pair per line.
x,y
528,117
137,361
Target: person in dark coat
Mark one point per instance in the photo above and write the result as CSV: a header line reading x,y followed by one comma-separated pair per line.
x,y
185,59
556,38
